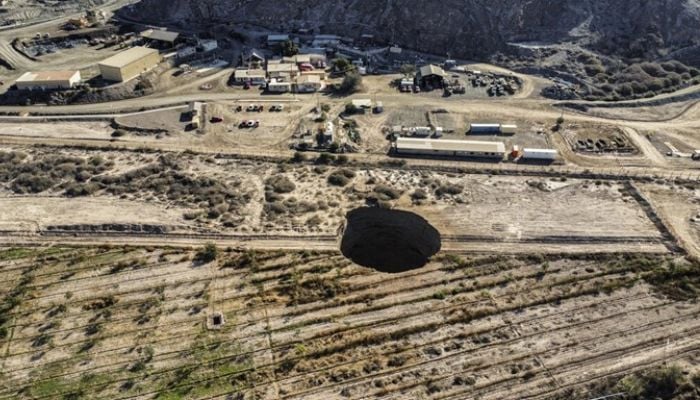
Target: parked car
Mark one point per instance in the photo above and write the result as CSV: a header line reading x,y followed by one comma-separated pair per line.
x,y
249,124
216,119
277,108
246,86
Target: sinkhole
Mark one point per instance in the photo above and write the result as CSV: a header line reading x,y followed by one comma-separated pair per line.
x,y
390,241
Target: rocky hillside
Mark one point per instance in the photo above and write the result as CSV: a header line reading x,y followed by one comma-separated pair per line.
x,y
464,28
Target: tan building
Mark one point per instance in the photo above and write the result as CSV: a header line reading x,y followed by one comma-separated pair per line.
x,y
252,76
308,84
282,71
47,80
129,64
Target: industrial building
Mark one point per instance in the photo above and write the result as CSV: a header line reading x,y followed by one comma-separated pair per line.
x,y
431,76
162,38
129,64
450,148
48,80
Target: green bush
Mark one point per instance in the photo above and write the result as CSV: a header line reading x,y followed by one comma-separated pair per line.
x,y
385,192
207,254
341,177
280,184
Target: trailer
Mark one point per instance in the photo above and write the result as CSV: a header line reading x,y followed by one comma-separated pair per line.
x,y
508,129
540,154
482,129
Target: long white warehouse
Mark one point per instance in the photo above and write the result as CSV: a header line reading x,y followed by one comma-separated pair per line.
x,y
454,148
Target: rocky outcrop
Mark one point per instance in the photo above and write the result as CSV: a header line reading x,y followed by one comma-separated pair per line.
x,y
463,28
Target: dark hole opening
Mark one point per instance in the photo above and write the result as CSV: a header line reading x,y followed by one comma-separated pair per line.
x,y
217,320
389,241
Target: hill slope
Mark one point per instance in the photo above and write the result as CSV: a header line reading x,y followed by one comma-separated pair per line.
x,y
465,28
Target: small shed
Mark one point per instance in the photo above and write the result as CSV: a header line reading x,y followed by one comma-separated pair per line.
x,y
275,86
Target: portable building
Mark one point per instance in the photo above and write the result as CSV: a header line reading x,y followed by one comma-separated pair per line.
x,y
482,129
451,148
252,76
129,64
48,80
279,87
281,70
540,154
509,129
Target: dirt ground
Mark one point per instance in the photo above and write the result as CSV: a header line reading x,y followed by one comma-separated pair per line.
x,y
505,211
34,213
133,322
680,207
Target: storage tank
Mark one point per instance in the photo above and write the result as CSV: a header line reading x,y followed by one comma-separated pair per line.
x,y
423,131
540,154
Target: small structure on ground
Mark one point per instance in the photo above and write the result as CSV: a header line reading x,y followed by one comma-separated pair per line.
x,y
215,320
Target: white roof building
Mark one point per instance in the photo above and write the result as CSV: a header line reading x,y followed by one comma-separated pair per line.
x,y
44,80
450,147
160,35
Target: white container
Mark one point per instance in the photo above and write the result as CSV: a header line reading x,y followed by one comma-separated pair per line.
x,y
540,154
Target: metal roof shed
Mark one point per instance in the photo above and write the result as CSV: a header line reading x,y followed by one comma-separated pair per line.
x,y
160,35
459,148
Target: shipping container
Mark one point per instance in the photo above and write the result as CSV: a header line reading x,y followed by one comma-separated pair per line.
x,y
509,129
478,129
540,154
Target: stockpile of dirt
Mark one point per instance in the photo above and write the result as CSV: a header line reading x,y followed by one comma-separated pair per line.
x,y
389,240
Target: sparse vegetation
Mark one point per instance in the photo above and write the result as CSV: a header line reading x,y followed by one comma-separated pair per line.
x,y
207,254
